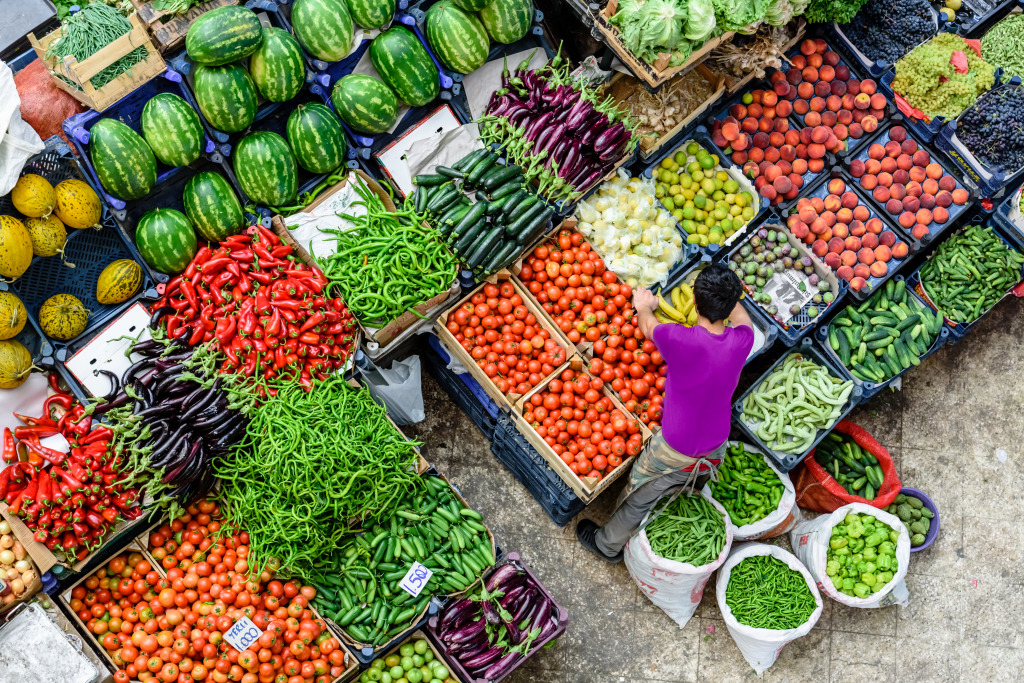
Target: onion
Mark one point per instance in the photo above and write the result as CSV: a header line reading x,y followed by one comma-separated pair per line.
x,y
6,541
8,599
5,528
29,577
23,565
18,586
6,557
13,574
19,551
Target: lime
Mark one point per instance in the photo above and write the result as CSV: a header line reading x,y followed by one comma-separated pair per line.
x,y
668,203
706,161
407,661
747,98
407,650
731,186
689,227
666,162
441,672
417,659
692,147
414,675
397,672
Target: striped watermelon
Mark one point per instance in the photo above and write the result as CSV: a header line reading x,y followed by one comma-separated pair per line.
x,y
403,63
265,168
371,13
277,67
366,104
226,96
172,129
223,35
316,138
166,240
457,37
324,27
507,21
123,161
471,5
212,206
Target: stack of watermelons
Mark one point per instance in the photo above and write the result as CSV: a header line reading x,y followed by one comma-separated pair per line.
x,y
460,31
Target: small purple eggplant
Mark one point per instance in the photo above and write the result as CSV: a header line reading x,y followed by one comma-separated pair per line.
x,y
490,612
502,666
483,659
468,632
453,612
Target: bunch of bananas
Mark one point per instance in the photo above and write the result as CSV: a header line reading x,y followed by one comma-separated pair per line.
x,y
681,310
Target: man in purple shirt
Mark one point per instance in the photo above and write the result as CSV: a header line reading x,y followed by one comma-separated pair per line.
x,y
704,364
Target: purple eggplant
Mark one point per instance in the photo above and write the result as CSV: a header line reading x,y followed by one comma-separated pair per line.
x,y
613,152
524,606
579,113
502,666
513,596
541,616
572,157
556,135
519,117
571,97
466,633
541,143
483,659
558,153
453,612
537,125
593,131
490,613
610,137
472,648
548,629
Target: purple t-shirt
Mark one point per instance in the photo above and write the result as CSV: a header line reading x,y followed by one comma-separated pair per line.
x,y
703,371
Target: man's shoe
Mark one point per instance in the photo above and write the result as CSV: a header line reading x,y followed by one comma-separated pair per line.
x,y
586,531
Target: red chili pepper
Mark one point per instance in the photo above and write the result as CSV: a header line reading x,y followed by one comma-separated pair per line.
x,y
81,424
101,433
27,496
309,338
41,536
110,515
270,237
40,432
313,320
196,336
45,487
263,278
10,450
250,365
55,384
243,283
173,322
48,454
225,330
5,481
189,291
77,500
262,304
290,304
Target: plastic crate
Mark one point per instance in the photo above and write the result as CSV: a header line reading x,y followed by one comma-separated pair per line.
x,y
982,17
762,326
22,60
874,68
923,131
1004,213
801,324
989,184
366,655
869,389
559,612
129,111
1012,238
934,229
808,349
463,389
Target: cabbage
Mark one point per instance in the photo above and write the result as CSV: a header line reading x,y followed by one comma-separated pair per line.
x,y
701,20
652,27
736,15
779,13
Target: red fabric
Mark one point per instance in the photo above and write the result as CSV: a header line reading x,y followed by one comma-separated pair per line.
x,y
909,109
817,490
959,62
975,44
44,106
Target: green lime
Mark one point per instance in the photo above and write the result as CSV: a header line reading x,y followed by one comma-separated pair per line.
x,y
414,675
441,672
407,661
731,186
397,672
700,201
692,148
689,227
417,660
747,98
707,161
668,203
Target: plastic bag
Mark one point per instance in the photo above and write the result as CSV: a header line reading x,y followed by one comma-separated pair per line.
x,y
817,490
762,646
44,106
18,141
810,541
781,520
675,587
399,389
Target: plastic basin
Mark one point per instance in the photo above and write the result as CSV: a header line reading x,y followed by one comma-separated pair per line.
x,y
933,528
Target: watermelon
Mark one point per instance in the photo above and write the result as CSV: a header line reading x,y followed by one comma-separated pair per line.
x,y
212,206
371,13
403,63
365,103
172,129
316,138
223,35
266,169
457,37
471,5
226,96
324,27
166,240
123,161
277,67
507,21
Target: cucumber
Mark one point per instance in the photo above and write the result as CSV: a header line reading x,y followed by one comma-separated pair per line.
x,y
419,199
522,208
448,172
440,197
500,176
452,216
475,213
516,199
430,179
471,234
469,160
519,224
535,228
498,258
481,168
509,188
483,246
495,206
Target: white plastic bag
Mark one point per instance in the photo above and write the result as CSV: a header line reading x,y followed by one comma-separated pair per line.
x,y
675,587
399,388
781,520
762,646
810,541
18,141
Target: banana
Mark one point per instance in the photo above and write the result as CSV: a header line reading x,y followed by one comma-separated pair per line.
x,y
670,310
691,319
663,318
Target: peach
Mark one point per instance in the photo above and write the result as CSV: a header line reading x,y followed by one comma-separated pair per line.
x,y
801,151
738,111
792,137
782,184
772,154
755,110
782,109
841,230
807,214
866,256
842,71
792,76
917,174
849,258
807,46
844,216
879,269
849,200
919,232
822,89
719,139
827,73
927,201
857,168
894,206
861,213
862,101
947,183
818,203
833,103
741,143
749,125
905,162
852,85
869,182
835,245
882,253
730,131
900,178
776,139
888,238
867,86
812,119
832,203
852,243
858,283
792,193
771,172
818,226
870,240
960,196
829,118
877,100
850,103
781,89
781,125
862,271
898,133
832,260
785,167
940,215
881,194
739,157
841,131
819,248
869,123
768,192
817,104
874,225
759,182
873,166
943,199
924,217
885,179
892,149
908,146
805,91
831,58
889,165
814,60
816,152
800,231
898,190
799,165
836,186
760,140
765,125
844,273
756,155
750,168
900,250
787,153
911,204
769,98
826,236
856,130
829,217
876,151
933,171
857,228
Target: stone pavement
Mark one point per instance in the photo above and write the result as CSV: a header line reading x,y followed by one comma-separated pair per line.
x,y
956,432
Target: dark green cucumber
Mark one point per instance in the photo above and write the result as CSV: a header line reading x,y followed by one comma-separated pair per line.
x,y
519,224
446,224
534,228
483,246
476,212
430,179
499,176
467,238
494,207
469,160
524,206
448,172
499,257
481,168
509,188
419,199
440,197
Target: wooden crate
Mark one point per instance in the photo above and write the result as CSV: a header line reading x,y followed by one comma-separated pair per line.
x,y
83,72
168,30
455,349
658,73
734,85
587,488
418,633
623,87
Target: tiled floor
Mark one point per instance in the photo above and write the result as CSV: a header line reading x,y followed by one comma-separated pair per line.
x,y
956,431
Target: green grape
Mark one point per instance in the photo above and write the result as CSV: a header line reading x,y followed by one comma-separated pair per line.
x,y
928,81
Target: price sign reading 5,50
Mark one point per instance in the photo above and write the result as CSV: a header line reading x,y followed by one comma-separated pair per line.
x,y
416,578
243,634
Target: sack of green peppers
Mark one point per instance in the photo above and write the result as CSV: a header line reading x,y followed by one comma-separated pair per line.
x,y
847,466
858,555
767,599
760,500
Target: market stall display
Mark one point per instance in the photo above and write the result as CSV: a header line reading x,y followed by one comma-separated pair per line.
x,y
758,498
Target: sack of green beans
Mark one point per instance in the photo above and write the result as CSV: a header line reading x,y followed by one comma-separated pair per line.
x,y
858,555
760,500
672,557
768,599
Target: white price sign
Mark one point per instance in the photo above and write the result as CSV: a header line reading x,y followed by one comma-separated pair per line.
x,y
243,634
416,578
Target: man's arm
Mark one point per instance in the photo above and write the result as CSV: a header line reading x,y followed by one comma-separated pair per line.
x,y
739,316
645,302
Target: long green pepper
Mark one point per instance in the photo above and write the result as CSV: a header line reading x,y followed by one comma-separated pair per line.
x,y
747,487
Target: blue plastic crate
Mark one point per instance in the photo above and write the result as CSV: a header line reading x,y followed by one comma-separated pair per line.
x,y
1002,215
923,131
700,135
934,229
809,350
1013,240
869,389
22,60
768,331
846,46
988,183
791,332
463,389
128,110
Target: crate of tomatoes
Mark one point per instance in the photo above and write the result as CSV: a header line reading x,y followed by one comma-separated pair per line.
x,y
592,309
581,429
503,339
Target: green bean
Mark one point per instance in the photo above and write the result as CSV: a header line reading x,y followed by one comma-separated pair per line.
x,y
689,529
764,592
88,31
1000,46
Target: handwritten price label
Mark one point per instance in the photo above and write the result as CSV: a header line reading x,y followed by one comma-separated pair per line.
x,y
243,634
416,578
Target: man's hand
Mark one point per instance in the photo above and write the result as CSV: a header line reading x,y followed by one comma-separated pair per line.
x,y
644,300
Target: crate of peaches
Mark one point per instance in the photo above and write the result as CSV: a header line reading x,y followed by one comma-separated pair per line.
x,y
575,423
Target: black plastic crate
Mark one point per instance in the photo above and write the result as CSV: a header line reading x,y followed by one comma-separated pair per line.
x,y
982,15
924,131
1004,213
846,46
463,389
809,350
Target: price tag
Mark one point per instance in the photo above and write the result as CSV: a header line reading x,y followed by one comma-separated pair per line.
x,y
243,634
416,578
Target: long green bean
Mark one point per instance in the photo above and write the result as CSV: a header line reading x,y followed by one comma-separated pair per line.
x,y
88,31
690,529
763,592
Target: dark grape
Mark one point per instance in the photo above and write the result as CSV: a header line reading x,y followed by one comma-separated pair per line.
x,y
885,30
993,129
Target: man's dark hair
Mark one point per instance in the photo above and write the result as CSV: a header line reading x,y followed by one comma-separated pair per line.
x,y
716,292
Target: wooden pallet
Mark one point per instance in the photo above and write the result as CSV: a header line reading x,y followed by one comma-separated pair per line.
x,y
168,30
